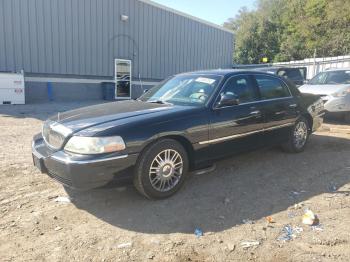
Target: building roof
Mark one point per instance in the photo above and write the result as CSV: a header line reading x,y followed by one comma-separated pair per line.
x,y
174,11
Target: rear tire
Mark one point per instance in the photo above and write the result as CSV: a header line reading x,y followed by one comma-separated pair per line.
x,y
298,137
161,169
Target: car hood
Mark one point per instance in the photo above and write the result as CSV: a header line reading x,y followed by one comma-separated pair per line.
x,y
85,117
321,89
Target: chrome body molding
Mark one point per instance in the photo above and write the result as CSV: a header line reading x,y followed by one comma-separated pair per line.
x,y
71,161
243,134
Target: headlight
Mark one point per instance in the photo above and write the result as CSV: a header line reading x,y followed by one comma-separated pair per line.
x,y
94,145
342,93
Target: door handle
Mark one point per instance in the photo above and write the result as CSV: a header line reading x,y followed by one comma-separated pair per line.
x,y
293,105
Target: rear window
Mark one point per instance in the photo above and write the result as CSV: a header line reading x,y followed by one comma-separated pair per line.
x,y
271,87
293,74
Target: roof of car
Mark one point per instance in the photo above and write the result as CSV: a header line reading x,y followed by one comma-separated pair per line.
x,y
338,69
222,72
270,68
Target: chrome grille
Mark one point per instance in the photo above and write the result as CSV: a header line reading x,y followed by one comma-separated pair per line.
x,y
54,134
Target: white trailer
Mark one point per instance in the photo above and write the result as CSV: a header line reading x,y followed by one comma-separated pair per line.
x,y
12,88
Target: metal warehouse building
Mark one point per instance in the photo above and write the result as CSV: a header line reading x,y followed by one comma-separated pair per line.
x,y
67,48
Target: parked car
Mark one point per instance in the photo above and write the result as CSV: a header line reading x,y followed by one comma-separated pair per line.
x,y
184,124
297,75
333,86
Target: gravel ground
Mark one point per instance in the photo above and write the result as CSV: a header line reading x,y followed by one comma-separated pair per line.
x,y
230,205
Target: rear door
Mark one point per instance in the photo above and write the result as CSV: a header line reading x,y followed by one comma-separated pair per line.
x,y
235,128
279,106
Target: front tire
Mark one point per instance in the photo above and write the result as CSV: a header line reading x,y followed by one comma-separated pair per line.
x,y
161,169
298,137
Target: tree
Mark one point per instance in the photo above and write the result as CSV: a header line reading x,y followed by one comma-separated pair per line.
x,y
286,30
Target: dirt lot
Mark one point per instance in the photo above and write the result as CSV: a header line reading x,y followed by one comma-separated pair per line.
x,y
229,205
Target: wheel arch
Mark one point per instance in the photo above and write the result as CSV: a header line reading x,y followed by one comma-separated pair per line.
x,y
180,139
309,120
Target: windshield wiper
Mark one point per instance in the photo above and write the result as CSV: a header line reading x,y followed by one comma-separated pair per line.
x,y
159,102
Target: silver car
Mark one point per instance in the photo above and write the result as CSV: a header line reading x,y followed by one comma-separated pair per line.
x,y
333,86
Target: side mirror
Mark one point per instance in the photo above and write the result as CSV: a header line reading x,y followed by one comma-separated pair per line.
x,y
306,81
228,100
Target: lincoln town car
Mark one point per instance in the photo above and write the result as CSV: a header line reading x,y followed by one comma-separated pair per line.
x,y
184,124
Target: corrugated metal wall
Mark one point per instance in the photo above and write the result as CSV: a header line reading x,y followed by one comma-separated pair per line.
x,y
82,37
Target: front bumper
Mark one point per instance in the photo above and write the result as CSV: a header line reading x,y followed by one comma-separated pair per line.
x,y
81,171
317,121
317,112
336,104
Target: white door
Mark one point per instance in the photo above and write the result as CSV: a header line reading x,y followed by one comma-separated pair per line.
x,y
122,79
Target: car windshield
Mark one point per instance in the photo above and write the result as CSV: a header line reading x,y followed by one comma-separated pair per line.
x,y
331,78
189,89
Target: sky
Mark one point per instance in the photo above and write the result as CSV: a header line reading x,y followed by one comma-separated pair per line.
x,y
215,11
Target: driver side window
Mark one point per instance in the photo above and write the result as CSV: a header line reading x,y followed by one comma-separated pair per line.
x,y
241,87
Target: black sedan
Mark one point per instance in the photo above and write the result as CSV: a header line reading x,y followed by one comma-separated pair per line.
x,y
184,124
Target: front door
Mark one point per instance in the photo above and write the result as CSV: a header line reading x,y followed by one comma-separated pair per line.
x,y
238,127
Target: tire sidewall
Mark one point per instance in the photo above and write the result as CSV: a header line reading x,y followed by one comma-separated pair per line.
x,y
292,142
146,159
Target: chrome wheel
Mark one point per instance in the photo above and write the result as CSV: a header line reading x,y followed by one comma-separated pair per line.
x,y
300,134
166,170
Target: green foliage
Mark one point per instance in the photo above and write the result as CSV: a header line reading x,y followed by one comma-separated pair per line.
x,y
284,30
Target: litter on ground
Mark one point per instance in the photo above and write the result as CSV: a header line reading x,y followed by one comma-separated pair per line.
x,y
198,232
298,205
270,220
58,228
248,244
125,245
62,199
289,233
309,218
318,227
